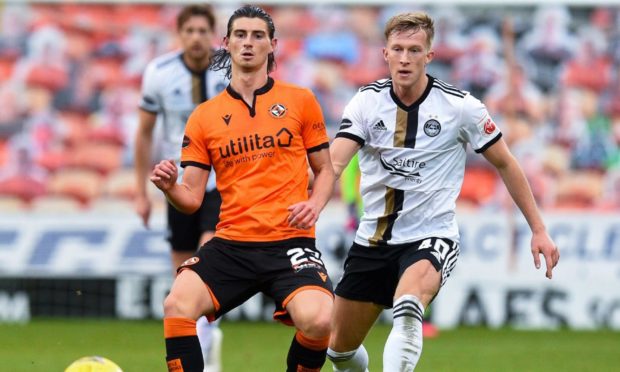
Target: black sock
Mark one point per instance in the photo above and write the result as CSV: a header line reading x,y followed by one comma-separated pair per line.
x,y
303,359
184,354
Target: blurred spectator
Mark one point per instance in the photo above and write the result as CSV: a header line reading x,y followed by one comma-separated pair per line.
x,y
12,110
515,96
548,44
14,21
595,142
22,177
449,42
590,67
45,64
478,67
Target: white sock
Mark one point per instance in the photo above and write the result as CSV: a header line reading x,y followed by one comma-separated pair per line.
x,y
349,361
210,337
404,344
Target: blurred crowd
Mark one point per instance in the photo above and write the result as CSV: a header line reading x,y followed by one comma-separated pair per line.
x,y
70,78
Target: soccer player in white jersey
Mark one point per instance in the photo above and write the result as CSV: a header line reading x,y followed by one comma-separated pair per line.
x,y
411,133
172,86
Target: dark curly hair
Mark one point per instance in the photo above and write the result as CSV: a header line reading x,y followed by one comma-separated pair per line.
x,y
221,57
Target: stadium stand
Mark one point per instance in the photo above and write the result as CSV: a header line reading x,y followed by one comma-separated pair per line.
x,y
70,77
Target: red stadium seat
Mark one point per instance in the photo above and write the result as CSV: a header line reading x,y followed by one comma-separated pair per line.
x,y
83,185
478,185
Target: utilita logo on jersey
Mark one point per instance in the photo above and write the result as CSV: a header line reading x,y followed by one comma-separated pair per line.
x,y
260,147
408,168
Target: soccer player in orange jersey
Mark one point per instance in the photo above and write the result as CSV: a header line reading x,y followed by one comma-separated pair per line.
x,y
172,86
259,136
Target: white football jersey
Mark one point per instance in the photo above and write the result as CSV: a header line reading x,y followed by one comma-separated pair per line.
x,y
412,158
172,91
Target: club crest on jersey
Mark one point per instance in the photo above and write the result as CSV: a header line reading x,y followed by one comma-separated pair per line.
x,y
190,261
278,110
432,128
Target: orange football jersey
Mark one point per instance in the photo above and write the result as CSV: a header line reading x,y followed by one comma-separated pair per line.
x,y
259,155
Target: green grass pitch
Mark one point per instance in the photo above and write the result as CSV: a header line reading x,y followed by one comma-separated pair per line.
x,y
137,346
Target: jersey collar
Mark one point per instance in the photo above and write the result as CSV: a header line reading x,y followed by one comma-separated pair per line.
x,y
262,90
419,101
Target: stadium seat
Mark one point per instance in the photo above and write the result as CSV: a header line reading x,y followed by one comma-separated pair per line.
x,y
120,184
478,185
54,204
23,187
579,190
83,185
100,157
10,204
111,205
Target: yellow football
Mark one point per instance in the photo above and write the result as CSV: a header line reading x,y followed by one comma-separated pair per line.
x,y
93,364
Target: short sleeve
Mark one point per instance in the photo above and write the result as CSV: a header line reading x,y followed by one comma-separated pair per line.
x,y
313,125
194,150
477,126
352,123
151,99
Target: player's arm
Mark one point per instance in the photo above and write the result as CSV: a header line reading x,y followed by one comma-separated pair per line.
x,y
142,162
342,151
304,215
185,196
509,169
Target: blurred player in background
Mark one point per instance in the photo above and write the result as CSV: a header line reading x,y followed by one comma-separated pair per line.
x,y
172,86
411,132
259,136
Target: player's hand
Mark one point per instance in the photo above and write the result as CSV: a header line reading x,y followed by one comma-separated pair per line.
x,y
542,244
303,215
164,175
143,209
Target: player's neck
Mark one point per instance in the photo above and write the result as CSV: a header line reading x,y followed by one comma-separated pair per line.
x,y
408,94
245,83
197,65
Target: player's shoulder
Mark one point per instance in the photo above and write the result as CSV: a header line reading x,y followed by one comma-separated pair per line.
x,y
166,61
214,103
377,86
292,90
447,89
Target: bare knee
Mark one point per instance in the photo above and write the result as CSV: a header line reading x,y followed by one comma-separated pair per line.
x,y
317,326
174,307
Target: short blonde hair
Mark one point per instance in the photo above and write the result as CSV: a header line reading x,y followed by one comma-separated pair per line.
x,y
414,21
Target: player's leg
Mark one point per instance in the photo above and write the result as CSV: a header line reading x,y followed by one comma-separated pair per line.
x,y
351,321
423,272
209,334
183,236
298,282
365,289
188,299
417,286
310,310
211,283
